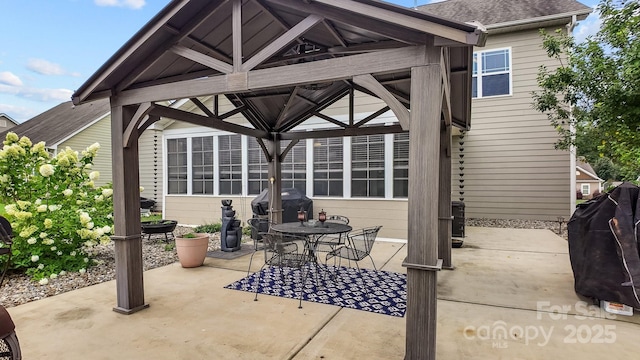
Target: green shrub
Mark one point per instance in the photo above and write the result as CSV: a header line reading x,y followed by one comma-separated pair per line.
x,y
57,213
209,228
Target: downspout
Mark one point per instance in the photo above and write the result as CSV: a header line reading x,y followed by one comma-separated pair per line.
x,y
572,150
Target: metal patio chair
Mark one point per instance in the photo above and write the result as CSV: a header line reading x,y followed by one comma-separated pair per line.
x,y
358,246
329,243
284,253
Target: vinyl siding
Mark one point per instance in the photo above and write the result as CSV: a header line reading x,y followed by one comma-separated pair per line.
x,y
391,214
511,169
99,132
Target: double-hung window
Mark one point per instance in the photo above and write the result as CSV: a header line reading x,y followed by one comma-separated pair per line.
x,y
327,167
230,160
177,166
401,165
294,166
258,167
491,73
202,165
367,166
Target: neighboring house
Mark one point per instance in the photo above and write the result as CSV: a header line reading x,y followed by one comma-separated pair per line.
x,y
587,181
6,122
80,126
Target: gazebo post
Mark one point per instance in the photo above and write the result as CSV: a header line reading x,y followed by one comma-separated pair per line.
x,y
126,212
422,248
444,198
275,180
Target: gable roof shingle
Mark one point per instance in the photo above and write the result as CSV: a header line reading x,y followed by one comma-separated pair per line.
x,y
492,12
59,122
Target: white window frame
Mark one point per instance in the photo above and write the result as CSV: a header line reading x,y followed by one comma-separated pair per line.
x,y
479,75
585,186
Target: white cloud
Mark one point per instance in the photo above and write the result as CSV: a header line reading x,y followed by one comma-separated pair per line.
x,y
8,78
44,67
133,4
36,94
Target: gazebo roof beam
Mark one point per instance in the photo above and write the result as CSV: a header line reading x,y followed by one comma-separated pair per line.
x,y
349,131
327,24
326,102
379,13
290,75
389,30
206,121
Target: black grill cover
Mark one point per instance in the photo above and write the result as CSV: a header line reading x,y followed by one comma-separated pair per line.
x,y
603,246
292,201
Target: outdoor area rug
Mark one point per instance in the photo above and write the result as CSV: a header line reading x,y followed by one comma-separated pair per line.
x,y
386,291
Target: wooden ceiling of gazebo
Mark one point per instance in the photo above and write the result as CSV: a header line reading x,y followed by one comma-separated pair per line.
x,y
188,50
281,62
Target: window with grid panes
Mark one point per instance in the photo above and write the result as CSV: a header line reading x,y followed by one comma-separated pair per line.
x,y
202,165
491,73
258,168
367,166
401,165
230,164
294,166
177,166
327,167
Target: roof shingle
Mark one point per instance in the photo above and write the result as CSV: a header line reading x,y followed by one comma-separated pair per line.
x,y
489,12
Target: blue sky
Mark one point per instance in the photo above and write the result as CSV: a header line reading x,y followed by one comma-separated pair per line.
x,y
50,47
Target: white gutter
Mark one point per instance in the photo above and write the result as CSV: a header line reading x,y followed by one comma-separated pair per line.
x,y
573,14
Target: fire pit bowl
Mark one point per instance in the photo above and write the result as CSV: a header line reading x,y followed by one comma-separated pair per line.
x,y
159,227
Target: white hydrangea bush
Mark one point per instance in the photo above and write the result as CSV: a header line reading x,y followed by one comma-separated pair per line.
x,y
57,213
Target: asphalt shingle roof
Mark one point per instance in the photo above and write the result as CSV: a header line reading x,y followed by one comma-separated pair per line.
x,y
57,123
489,12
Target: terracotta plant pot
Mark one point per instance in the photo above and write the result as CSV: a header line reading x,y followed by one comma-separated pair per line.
x,y
192,251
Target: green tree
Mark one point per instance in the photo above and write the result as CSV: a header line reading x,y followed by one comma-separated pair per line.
x,y
606,169
597,86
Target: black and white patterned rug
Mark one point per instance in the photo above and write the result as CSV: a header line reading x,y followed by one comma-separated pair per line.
x,y
381,292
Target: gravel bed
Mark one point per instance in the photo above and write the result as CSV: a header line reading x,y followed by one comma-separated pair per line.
x,y
19,289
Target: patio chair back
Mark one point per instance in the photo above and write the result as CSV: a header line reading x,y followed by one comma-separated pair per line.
x,y
6,234
358,246
341,219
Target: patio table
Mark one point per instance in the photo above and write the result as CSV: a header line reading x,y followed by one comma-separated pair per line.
x,y
311,232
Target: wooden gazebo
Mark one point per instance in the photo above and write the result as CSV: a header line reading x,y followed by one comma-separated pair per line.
x,y
281,62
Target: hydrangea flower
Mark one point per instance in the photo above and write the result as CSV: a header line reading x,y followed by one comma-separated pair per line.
x,y
67,192
35,258
46,170
44,281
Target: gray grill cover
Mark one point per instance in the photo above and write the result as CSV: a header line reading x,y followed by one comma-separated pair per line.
x,y
603,246
292,201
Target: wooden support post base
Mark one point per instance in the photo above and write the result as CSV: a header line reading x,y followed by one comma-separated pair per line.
x,y
123,311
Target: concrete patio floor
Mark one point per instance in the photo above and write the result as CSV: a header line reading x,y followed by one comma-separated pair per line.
x,y
515,280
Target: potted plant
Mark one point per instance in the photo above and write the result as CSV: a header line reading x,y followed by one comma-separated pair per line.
x,y
192,249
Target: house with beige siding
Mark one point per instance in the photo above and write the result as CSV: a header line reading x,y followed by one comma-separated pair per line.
x,y
504,167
